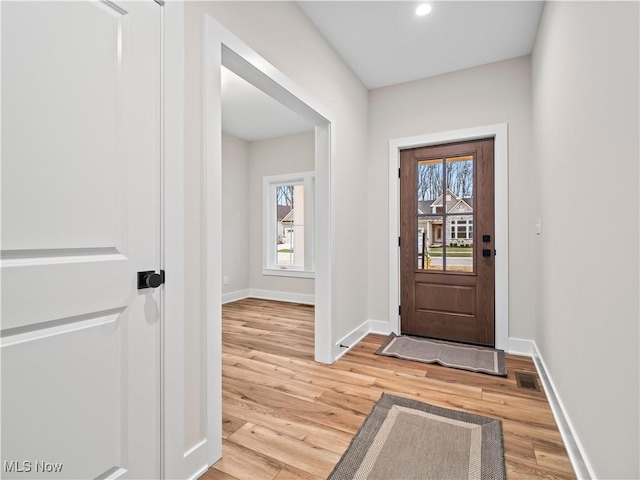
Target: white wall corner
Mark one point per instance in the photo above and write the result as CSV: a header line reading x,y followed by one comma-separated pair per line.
x,y
195,460
520,346
380,327
577,454
235,296
350,340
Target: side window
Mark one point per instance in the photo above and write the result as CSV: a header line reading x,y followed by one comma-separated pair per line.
x,y
288,225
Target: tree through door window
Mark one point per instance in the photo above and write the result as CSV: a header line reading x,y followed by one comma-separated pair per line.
x,y
445,213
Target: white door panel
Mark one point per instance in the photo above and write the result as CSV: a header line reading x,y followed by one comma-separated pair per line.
x,y
80,216
65,395
61,105
44,289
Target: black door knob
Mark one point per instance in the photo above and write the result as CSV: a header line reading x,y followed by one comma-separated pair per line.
x,y
150,279
153,280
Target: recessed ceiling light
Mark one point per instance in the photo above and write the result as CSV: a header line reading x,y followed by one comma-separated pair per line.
x,y
423,10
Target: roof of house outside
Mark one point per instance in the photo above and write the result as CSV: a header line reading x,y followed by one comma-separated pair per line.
x,y
283,211
424,206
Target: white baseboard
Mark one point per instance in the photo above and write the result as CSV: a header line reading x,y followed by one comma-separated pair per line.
x,y
195,461
350,340
234,296
199,473
268,295
570,438
517,346
283,296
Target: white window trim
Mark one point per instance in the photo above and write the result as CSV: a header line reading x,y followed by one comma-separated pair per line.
x,y
456,223
269,227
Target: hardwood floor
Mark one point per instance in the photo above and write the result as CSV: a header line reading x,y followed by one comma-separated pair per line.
x,y
287,417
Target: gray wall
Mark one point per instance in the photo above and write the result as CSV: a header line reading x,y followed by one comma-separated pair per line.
x,y
485,95
586,127
290,154
283,35
235,213
244,164
577,298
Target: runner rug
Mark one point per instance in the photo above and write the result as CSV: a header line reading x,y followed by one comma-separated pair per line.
x,y
406,439
465,357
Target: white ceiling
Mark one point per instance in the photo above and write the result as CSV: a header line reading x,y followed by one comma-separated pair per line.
x,y
387,43
251,114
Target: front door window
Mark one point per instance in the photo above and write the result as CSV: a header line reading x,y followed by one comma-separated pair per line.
x,y
445,206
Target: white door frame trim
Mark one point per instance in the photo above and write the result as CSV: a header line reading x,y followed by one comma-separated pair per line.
x,y
172,261
501,175
220,48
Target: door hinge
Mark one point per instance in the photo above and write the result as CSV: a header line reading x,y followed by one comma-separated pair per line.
x,y
399,310
399,241
398,173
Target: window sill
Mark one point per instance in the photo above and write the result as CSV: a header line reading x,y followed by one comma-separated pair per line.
x,y
288,272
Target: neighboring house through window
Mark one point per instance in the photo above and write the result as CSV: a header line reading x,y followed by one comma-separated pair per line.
x,y
459,228
288,225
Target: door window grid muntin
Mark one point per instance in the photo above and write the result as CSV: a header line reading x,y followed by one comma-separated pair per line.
x,y
444,215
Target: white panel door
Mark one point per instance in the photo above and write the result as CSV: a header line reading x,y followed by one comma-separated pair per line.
x,y
80,344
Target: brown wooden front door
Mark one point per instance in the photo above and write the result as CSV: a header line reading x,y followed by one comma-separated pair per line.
x,y
447,242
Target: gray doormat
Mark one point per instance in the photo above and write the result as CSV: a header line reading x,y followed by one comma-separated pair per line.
x,y
447,354
406,439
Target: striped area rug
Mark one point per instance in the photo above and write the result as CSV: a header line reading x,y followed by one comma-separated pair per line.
x,y
407,439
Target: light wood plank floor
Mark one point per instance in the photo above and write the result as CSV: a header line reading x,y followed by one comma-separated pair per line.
x,y
286,417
